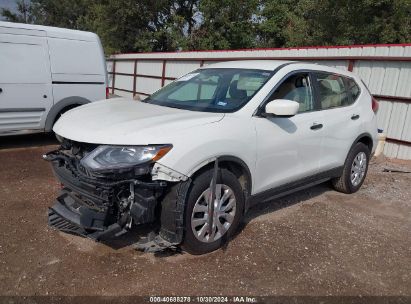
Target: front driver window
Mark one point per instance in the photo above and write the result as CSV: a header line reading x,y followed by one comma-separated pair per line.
x,y
297,88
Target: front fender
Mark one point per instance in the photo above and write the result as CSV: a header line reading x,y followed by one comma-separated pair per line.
x,y
230,139
59,106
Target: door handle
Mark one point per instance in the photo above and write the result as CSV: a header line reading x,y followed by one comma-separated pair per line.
x,y
1,90
355,116
316,126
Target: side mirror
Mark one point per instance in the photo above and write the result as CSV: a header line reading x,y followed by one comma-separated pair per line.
x,y
282,107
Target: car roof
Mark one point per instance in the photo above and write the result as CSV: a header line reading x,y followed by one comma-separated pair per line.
x,y
268,65
271,65
49,31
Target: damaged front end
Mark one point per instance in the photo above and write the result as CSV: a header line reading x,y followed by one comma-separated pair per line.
x,y
101,200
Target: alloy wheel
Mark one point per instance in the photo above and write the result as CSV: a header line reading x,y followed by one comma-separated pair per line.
x,y
358,168
223,217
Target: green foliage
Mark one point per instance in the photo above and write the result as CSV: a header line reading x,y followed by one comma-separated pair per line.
x,y
353,22
122,25
173,25
24,14
227,24
61,13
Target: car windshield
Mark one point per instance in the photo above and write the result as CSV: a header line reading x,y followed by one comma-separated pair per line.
x,y
211,90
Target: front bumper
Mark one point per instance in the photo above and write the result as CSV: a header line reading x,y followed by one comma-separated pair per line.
x,y
99,208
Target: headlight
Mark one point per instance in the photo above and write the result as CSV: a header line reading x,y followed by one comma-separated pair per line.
x,y
118,157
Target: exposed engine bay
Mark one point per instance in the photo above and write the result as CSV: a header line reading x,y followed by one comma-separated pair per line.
x,y
107,203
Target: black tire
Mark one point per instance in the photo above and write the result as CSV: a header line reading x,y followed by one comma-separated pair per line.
x,y
202,182
344,183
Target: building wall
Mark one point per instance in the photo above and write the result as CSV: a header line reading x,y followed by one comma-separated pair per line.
x,y
385,69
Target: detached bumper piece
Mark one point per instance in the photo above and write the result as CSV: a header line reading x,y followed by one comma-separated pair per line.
x,y
60,223
68,215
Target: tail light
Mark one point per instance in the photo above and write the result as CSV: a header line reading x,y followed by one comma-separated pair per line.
x,y
374,105
107,92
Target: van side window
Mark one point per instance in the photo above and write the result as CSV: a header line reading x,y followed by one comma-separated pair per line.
x,y
352,88
297,87
332,91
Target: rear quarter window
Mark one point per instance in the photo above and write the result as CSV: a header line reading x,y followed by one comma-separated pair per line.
x,y
352,88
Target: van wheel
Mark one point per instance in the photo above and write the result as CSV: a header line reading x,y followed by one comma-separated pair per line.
x,y
355,170
228,211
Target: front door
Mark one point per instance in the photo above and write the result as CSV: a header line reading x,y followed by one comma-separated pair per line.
x,y
25,82
289,149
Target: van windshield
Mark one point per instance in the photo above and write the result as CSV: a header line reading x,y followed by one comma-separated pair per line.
x,y
211,90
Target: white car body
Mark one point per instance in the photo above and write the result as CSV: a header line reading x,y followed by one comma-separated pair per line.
x,y
276,151
45,71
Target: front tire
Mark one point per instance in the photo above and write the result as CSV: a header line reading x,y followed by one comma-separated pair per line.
x,y
228,211
355,170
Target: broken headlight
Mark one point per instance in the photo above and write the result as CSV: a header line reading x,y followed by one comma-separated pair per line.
x,y
119,157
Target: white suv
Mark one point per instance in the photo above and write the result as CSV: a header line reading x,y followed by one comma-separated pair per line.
x,y
232,133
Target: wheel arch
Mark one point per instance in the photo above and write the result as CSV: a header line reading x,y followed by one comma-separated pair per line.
x,y
232,163
59,107
366,139
172,214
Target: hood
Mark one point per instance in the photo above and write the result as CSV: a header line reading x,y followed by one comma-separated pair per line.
x,y
122,121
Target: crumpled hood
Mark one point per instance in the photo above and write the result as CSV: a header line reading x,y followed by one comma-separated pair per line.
x,y
121,121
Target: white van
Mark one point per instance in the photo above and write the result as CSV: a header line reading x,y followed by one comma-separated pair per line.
x,y
45,71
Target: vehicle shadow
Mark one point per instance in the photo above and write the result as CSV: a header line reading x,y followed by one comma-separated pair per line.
x,y
260,209
27,141
285,201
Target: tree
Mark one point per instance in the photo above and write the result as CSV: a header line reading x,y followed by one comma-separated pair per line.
x,y
275,20
328,22
226,24
121,24
23,14
62,13
173,25
141,26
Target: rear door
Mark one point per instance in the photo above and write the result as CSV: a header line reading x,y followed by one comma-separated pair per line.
x,y
25,82
337,96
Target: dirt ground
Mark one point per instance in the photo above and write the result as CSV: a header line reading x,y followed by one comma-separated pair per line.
x,y
315,242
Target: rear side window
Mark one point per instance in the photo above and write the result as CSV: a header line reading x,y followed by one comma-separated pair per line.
x,y
335,90
332,91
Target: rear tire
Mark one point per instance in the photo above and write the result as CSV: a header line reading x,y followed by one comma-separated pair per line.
x,y
355,170
228,212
